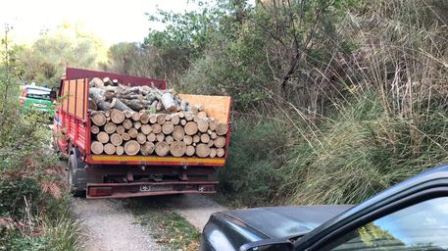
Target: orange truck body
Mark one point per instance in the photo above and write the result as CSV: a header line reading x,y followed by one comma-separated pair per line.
x,y
174,175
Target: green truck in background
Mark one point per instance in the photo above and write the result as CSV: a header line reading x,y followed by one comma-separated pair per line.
x,y
37,98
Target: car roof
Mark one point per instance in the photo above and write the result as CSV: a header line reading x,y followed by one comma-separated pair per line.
x,y
434,174
34,87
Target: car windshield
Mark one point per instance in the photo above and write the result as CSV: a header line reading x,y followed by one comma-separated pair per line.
x,y
423,226
38,94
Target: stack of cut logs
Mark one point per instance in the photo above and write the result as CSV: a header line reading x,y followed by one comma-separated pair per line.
x,y
142,120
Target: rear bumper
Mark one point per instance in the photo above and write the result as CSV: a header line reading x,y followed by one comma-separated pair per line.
x,y
140,189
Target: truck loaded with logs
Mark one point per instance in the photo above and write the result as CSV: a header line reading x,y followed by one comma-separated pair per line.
x,y
129,136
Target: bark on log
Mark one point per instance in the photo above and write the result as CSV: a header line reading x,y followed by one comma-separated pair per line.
x,y
127,124
97,147
117,116
178,148
109,149
168,102
137,125
119,105
146,129
110,127
119,150
156,128
147,148
202,150
92,105
190,151
98,119
221,129
94,129
188,139
220,152
131,147
202,125
167,127
116,139
191,128
141,138
211,143
220,142
178,133
205,138
151,137
162,148
97,95
133,133
128,114
102,137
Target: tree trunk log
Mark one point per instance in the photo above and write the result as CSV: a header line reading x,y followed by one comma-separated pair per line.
x,y
119,105
110,127
97,147
94,129
147,148
119,150
178,148
133,133
188,139
160,137
127,124
156,128
191,128
99,119
116,139
169,139
162,148
97,96
109,149
205,138
202,150
131,147
213,152
146,129
117,116
120,129
151,137
141,138
125,136
221,129
178,133
102,137
190,151
202,124
167,127
220,152
220,142
168,102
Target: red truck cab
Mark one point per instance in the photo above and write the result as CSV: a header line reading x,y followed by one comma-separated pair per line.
x,y
113,176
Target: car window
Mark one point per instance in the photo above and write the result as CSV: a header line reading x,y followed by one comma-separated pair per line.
x,y
423,226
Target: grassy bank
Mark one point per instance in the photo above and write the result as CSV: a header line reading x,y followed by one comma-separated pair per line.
x,y
34,202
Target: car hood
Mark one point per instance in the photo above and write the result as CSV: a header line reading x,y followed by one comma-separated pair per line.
x,y
283,222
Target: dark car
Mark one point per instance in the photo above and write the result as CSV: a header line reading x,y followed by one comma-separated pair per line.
x,y
412,215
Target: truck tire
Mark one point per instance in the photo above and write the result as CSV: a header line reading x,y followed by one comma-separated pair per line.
x,y
77,179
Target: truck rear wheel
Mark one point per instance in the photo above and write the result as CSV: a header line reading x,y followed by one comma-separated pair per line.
x,y
76,175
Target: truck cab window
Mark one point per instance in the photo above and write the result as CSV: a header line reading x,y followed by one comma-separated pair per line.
x,y
423,226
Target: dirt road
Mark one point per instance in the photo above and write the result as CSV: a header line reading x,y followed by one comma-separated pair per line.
x,y
109,226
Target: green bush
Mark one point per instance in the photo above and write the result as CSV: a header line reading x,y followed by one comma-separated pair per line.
x,y
253,174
